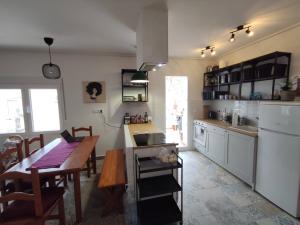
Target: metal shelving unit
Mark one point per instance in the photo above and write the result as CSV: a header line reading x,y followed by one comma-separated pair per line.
x,y
155,195
249,72
132,90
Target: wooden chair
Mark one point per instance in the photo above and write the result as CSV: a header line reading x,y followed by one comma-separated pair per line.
x,y
31,208
29,141
53,181
8,158
93,156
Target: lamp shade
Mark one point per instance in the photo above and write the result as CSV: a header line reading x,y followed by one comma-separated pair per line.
x,y
139,77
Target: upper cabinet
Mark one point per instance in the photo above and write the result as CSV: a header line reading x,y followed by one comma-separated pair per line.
x,y
133,92
228,82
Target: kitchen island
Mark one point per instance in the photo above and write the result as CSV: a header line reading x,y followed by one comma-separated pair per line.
x,y
132,149
152,169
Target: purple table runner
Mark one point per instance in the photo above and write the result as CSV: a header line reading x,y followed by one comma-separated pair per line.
x,y
57,156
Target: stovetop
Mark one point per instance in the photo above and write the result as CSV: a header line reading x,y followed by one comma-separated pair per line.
x,y
149,139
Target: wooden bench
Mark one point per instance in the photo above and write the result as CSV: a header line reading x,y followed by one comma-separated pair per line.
x,y
113,180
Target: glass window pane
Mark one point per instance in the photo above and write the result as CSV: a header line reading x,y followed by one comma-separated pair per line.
x,y
44,110
11,111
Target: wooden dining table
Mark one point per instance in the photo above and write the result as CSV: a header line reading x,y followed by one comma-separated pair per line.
x,y
75,162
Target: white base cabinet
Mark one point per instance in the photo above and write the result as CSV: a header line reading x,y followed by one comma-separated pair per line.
x,y
217,142
241,156
234,151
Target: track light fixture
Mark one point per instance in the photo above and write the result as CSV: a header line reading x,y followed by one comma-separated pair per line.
x,y
239,28
232,37
202,54
211,48
249,32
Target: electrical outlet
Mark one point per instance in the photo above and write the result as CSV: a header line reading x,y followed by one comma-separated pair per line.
x,y
98,111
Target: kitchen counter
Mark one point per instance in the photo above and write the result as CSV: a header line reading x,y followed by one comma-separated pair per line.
x,y
132,150
242,129
145,128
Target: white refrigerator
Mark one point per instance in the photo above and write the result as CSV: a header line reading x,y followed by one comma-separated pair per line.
x,y
278,156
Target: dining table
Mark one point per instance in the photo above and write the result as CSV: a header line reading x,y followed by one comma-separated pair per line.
x,y
71,164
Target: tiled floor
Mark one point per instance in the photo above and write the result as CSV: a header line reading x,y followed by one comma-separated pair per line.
x,y
212,196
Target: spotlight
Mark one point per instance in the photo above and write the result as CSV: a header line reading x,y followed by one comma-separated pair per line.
x,y
249,32
154,69
161,64
202,54
212,51
232,38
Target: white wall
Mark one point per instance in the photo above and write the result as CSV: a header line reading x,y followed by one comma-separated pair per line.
x,y
77,68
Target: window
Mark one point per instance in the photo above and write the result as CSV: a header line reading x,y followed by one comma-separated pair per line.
x,y
28,109
11,111
44,110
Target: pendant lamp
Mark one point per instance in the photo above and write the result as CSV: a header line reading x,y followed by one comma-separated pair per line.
x,y
139,77
50,70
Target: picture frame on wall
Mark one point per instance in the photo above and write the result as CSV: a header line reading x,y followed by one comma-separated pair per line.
x,y
94,91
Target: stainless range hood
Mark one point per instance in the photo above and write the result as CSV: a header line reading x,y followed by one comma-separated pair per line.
x,y
152,38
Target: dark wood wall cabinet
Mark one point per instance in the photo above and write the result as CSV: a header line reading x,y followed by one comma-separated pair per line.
x,y
271,67
133,92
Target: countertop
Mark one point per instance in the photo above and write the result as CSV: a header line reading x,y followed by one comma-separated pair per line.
x,y
145,128
228,126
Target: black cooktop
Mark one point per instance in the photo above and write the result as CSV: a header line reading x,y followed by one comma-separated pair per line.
x,y
149,139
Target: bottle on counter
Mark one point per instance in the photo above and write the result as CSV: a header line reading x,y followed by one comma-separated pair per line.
x,y
127,119
146,117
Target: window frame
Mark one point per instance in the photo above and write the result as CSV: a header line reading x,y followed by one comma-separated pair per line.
x,y
33,83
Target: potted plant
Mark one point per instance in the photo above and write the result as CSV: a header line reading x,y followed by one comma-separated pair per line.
x,y
286,93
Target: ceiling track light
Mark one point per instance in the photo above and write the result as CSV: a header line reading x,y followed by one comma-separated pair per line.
x,y
202,54
232,37
211,48
249,32
239,28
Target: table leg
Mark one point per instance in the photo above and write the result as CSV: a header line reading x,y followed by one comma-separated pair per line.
x,y
77,196
93,156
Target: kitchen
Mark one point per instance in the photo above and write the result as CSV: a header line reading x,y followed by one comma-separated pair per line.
x,y
238,122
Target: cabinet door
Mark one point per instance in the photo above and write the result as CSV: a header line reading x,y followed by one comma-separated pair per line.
x,y
240,156
217,146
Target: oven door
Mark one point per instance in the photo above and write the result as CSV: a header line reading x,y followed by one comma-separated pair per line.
x,y
200,134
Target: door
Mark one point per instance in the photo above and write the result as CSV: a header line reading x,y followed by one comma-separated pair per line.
x,y
240,156
177,110
216,146
283,118
278,169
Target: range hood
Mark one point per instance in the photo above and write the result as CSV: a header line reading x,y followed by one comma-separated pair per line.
x,y
152,38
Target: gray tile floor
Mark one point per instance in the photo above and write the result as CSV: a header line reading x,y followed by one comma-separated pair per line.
x,y
212,196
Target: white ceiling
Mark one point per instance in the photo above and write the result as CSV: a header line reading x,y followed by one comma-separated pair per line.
x,y
108,26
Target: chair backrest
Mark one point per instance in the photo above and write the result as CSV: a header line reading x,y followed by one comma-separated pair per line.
x,y
10,156
22,196
29,141
80,129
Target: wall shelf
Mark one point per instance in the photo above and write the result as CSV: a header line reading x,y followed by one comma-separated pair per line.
x,y
269,67
131,92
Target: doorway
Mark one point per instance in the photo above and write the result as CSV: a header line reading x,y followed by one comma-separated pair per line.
x,y
176,109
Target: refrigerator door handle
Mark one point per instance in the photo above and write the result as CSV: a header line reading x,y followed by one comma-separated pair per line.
x,y
279,132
